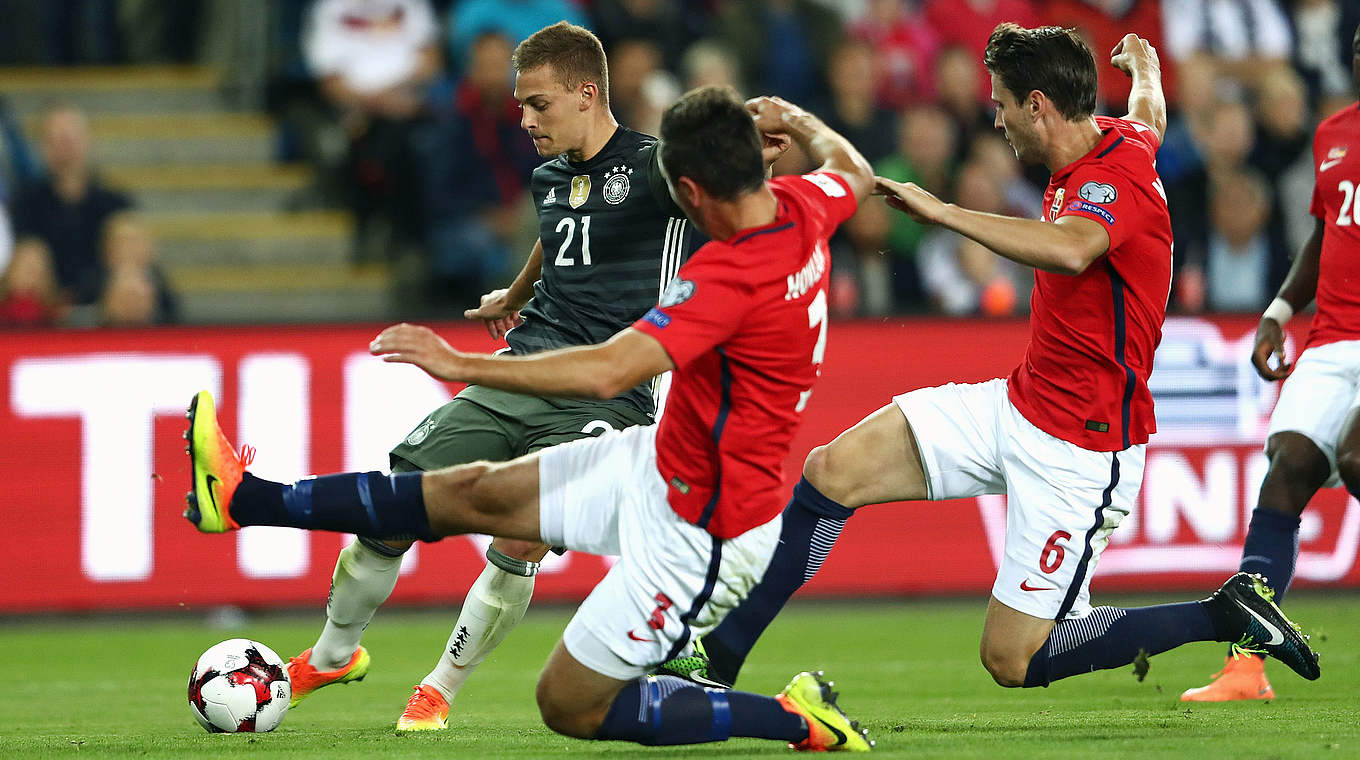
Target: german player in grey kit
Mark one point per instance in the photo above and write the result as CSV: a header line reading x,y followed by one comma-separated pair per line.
x,y
610,238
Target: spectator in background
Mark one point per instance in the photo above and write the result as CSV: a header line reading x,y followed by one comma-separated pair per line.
x,y
961,276
709,62
662,22
852,111
926,146
28,288
129,300
1224,147
66,211
905,46
128,247
783,45
477,171
1196,97
1283,155
631,64
516,19
992,152
1322,49
965,102
1103,23
968,23
1245,38
373,60
1238,264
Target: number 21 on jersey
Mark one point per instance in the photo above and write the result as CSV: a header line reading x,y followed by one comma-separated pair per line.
x,y
816,321
564,256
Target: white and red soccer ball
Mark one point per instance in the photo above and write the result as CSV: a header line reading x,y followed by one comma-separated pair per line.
x,y
239,685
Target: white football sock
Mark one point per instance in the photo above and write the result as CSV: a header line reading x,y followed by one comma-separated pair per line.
x,y
494,606
362,581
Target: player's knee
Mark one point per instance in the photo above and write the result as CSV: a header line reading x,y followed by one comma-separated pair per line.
x,y
563,713
1348,466
1006,666
525,551
823,472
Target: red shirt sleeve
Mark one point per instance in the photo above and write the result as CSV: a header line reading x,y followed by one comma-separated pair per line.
x,y
702,306
827,191
1101,195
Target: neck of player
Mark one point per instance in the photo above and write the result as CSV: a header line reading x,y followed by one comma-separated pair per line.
x,y
726,219
602,130
1070,141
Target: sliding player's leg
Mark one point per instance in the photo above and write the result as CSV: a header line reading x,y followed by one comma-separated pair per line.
x,y
673,582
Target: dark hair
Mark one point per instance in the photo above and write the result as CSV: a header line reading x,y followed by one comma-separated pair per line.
x,y
574,53
1050,59
709,137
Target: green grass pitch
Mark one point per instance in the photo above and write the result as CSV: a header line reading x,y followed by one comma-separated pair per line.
x,y
115,687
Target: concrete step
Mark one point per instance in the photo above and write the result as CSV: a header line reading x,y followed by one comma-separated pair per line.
x,y
190,240
185,188
113,89
212,137
291,293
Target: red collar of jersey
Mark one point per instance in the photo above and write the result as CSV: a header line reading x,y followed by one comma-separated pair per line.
x,y
781,216
1108,137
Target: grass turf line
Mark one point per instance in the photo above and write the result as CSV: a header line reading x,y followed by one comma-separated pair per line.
x,y
111,687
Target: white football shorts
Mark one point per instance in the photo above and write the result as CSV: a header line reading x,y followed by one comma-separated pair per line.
x,y
1063,501
1318,396
673,582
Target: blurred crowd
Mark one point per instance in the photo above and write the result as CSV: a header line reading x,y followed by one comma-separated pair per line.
x,y
404,108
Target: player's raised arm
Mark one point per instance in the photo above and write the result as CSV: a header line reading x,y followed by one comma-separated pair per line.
x,y
824,146
1147,105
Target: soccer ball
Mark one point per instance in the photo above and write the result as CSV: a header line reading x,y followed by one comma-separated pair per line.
x,y
239,685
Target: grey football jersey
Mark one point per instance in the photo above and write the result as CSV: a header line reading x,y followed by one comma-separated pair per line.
x,y
612,239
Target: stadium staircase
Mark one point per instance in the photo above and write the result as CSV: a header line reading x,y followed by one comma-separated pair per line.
x,y
204,179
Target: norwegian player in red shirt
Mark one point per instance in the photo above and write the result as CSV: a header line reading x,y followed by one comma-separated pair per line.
x,y
690,505
1064,436
1314,439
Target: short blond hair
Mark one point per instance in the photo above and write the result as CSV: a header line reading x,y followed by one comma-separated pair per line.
x,y
574,52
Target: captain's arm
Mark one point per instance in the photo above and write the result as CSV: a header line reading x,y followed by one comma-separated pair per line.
x,y
601,371
1065,246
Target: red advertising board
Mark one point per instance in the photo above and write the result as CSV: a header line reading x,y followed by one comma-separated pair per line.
x,y
95,473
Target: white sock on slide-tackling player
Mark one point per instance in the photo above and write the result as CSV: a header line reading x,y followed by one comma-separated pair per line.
x,y
494,606
364,577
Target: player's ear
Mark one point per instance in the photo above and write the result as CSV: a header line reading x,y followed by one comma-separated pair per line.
x,y
689,190
588,93
1034,103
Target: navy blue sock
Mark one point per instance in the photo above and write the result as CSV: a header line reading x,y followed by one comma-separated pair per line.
x,y
812,523
371,504
1111,637
1271,548
665,710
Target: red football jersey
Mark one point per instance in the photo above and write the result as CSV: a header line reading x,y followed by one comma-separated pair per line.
x,y
1092,335
745,323
1336,154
